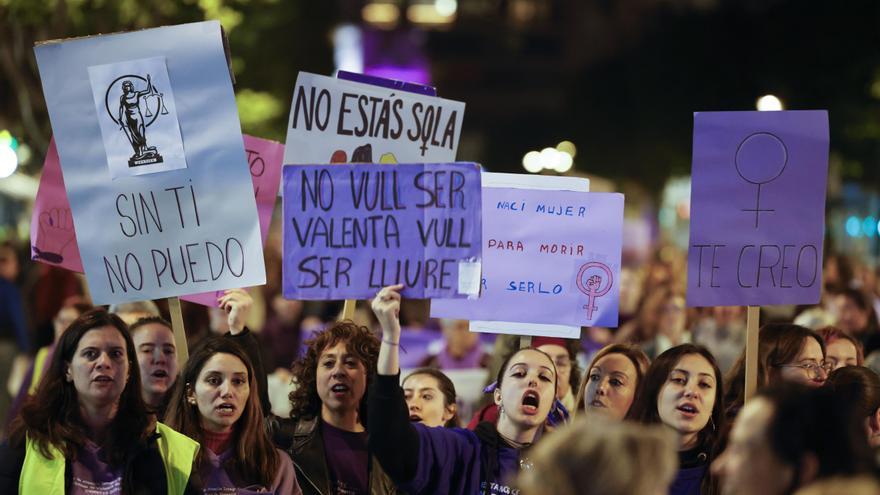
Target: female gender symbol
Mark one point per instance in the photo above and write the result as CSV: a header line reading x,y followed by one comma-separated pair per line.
x,y
591,289
760,159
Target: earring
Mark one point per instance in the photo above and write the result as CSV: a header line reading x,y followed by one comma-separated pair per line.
x,y
712,420
191,400
500,409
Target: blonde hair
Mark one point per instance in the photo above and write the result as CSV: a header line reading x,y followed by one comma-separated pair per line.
x,y
601,456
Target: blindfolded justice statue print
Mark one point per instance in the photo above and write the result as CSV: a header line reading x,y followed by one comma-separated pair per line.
x,y
138,117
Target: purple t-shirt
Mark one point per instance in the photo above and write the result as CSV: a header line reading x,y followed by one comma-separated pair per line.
x,y
93,476
347,460
505,473
218,482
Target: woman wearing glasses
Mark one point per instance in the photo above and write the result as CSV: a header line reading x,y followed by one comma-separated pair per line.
x,y
786,353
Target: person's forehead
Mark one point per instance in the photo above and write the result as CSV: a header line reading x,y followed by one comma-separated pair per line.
x,y
531,358
101,336
421,381
153,332
695,364
223,362
841,345
615,362
554,350
810,349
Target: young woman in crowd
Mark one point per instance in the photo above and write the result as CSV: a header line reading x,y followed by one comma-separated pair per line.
x,y
563,352
841,349
613,380
859,387
424,460
326,434
602,457
157,351
157,360
215,403
683,390
660,324
87,429
430,398
854,313
786,352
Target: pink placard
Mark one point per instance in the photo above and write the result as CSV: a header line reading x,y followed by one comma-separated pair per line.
x,y
53,239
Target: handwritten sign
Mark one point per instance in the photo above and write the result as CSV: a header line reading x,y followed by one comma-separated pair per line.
x,y
340,121
168,233
53,238
550,257
350,230
757,208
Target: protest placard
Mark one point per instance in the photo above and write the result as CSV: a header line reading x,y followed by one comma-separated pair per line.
x,y
549,257
173,231
342,121
350,230
757,208
525,181
53,238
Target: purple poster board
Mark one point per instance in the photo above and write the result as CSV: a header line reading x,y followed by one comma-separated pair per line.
x,y
549,257
757,208
350,230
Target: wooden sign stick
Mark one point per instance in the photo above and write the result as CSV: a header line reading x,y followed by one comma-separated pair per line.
x,y
752,325
179,331
525,341
348,309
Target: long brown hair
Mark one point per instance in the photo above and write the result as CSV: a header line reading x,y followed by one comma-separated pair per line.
x,y
255,459
644,408
51,417
632,352
778,343
360,342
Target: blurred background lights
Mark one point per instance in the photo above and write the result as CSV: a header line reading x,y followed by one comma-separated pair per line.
x,y
446,7
532,162
769,103
8,156
567,147
853,226
868,226
559,159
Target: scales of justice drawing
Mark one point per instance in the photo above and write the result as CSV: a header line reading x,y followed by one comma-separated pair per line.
x,y
134,104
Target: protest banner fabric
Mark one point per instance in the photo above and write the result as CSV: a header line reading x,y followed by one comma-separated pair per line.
x,y
173,232
350,230
53,238
341,121
549,257
757,208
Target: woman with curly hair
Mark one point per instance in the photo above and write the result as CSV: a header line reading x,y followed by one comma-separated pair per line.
x,y
325,434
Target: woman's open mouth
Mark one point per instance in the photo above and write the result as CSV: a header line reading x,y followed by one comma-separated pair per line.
x,y
530,402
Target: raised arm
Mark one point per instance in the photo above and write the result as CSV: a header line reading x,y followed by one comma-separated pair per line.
x,y
237,304
386,306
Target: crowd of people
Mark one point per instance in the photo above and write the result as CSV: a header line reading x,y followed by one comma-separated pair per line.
x,y
281,397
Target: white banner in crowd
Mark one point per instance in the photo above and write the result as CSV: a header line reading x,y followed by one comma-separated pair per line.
x,y
151,223
338,121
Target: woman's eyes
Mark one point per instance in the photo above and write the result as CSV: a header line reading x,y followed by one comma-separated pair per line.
x,y
615,382
327,364
705,385
428,397
678,380
595,378
213,380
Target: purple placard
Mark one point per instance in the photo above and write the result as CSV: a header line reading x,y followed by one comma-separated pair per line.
x,y
548,257
757,208
422,89
350,230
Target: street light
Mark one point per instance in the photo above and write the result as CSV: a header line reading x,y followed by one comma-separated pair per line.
x,y
768,103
